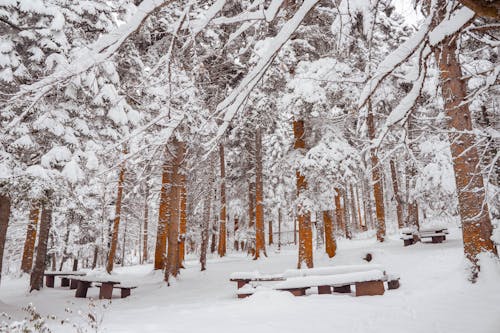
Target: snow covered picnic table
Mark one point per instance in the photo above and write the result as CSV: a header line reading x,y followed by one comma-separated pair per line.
x,y
368,280
105,284
436,233
50,277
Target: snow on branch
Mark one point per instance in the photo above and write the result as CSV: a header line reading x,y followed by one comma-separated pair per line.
x,y
451,25
232,103
97,52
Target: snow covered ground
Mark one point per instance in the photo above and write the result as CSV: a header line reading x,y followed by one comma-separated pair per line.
x,y
434,296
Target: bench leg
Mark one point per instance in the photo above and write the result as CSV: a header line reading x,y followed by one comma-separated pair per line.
x,y
125,292
64,282
106,291
73,284
81,289
324,290
342,289
298,291
393,284
49,281
369,288
241,283
408,242
437,239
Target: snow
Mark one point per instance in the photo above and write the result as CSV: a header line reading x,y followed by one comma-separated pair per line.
x,y
450,25
330,280
434,296
331,270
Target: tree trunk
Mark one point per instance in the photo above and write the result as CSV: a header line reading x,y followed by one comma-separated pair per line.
x,y
222,218
205,224
251,215
347,216
361,224
145,226
172,262
270,232
163,214
66,241
279,229
4,223
124,242
236,243
378,189
304,217
183,221
116,222
476,223
397,195
36,279
339,212
29,243
330,244
260,244
354,210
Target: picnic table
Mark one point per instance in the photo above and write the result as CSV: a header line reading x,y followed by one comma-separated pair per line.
x,y
50,277
367,279
105,285
411,236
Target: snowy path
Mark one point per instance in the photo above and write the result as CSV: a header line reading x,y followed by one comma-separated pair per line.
x,y
434,296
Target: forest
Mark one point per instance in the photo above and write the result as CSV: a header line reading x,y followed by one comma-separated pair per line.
x,y
166,147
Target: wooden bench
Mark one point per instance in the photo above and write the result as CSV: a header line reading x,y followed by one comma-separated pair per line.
x,y
243,278
125,291
366,283
438,235
410,236
50,277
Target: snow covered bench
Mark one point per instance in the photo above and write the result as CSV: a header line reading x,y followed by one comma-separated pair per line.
x,y
243,278
50,277
107,293
437,234
366,283
105,285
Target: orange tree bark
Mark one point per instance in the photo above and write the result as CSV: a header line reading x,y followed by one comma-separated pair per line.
x,y
397,195
270,232
116,222
163,215
4,223
378,190
172,262
222,218
355,225
304,216
29,243
236,243
260,244
330,244
36,278
347,217
145,226
251,215
183,222
476,223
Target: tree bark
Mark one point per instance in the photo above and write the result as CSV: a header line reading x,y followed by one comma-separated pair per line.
x,y
36,279
172,262
397,195
260,244
205,224
378,190
270,232
183,221
304,216
163,214
251,216
5,204
330,244
236,243
339,212
116,222
476,223
29,243
347,216
222,218
145,226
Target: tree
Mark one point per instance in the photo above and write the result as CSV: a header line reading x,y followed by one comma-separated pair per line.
x,y
29,243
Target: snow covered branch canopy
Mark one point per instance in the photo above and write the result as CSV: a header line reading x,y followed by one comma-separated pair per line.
x,y
186,128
